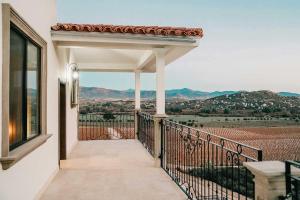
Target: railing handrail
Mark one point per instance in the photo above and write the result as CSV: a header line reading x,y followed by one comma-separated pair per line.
x,y
145,114
259,151
113,113
145,129
224,138
293,163
106,125
192,157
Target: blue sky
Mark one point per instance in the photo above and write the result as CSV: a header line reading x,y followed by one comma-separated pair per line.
x,y
247,45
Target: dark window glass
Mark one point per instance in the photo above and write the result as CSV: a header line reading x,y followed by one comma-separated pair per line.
x,y
33,66
24,89
16,93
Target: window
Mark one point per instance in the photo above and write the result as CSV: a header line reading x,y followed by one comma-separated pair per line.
x,y
24,88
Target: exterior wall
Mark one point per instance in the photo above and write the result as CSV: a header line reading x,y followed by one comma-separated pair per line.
x,y
27,178
71,123
66,57
72,120
1,79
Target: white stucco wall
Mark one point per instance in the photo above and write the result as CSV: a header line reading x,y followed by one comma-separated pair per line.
x,y
66,57
28,176
72,120
1,77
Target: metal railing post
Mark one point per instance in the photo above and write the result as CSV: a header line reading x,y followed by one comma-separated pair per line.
x,y
162,156
136,122
260,155
157,138
288,178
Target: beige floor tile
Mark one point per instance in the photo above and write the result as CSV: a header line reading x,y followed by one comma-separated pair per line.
x,y
111,170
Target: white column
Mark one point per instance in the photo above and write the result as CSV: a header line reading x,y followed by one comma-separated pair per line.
x,y
137,90
160,80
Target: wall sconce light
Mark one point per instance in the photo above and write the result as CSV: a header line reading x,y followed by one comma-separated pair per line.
x,y
75,74
75,84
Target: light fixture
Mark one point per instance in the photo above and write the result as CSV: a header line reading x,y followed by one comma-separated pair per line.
x,y
75,84
75,75
73,71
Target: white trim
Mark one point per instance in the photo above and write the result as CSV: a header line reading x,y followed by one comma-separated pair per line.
x,y
123,37
46,184
145,59
105,66
71,149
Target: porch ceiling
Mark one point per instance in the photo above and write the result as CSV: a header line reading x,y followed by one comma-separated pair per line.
x,y
100,59
124,52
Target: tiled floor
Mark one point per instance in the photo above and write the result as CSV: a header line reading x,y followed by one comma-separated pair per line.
x,y
111,170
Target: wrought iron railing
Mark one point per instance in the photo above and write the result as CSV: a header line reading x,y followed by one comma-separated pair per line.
x,y
207,166
105,126
292,181
146,131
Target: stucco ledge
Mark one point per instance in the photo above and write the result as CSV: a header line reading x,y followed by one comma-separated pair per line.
x,y
20,152
268,168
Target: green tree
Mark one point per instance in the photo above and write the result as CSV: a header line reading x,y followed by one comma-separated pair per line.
x,y
226,111
108,116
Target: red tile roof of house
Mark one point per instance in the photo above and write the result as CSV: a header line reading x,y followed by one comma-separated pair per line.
x,y
153,30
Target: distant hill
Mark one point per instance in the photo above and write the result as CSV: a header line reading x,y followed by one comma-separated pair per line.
x,y
187,101
184,93
289,94
257,101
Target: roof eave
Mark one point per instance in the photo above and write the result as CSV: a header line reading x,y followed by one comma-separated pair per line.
x,y
124,37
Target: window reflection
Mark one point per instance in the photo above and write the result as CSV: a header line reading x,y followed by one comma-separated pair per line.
x,y
24,89
33,63
16,93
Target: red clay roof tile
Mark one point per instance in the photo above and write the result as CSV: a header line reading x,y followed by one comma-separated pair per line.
x,y
154,30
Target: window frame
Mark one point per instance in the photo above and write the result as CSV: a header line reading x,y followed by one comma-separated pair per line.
x,y
25,70
10,157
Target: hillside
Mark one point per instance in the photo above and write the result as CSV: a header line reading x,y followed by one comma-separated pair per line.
x,y
254,102
90,93
184,93
185,101
289,94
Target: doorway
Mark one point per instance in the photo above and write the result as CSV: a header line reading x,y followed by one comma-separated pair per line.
x,y
62,121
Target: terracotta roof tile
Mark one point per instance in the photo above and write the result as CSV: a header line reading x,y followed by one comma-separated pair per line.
x,y
154,30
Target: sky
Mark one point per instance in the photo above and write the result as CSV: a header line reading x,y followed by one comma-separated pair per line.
x,y
247,44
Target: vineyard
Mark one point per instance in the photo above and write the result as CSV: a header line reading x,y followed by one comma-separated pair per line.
x,y
105,133
278,143
106,126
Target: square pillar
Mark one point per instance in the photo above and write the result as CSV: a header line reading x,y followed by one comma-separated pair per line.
x,y
160,80
160,102
269,178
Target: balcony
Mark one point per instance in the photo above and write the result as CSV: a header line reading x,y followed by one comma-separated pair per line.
x,y
140,156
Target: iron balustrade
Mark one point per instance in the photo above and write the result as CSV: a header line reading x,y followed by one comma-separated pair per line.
x,y
105,126
146,131
292,181
207,166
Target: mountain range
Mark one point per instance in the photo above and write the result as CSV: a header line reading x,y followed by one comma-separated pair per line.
x,y
184,93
